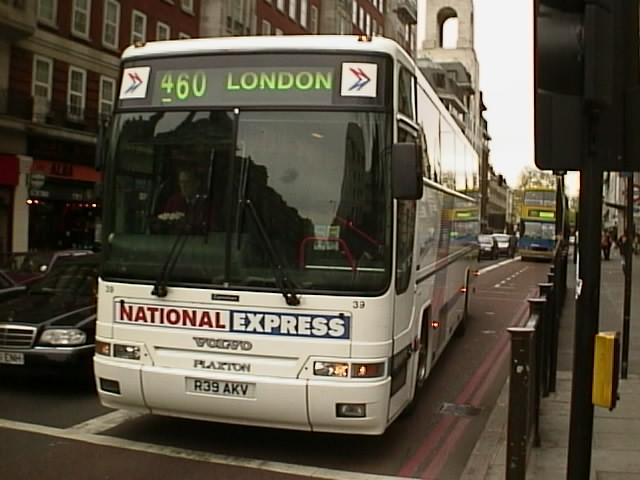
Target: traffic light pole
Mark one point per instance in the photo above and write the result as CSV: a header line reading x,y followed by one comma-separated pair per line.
x,y
587,317
628,259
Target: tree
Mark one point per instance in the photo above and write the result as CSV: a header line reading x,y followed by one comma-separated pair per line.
x,y
532,177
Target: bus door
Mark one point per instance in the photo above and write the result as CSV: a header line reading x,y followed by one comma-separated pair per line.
x,y
402,366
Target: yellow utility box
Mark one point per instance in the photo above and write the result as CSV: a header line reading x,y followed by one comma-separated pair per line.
x,y
606,368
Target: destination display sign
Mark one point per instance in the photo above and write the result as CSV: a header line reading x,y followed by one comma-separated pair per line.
x,y
465,214
254,80
232,86
545,214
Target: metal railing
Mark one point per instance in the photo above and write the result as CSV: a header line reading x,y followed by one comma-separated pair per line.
x,y
54,113
534,360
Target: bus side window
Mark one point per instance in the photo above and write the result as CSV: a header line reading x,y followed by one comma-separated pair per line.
x,y
406,223
406,229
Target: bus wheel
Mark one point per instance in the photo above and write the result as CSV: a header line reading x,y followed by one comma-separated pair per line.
x,y
421,375
462,326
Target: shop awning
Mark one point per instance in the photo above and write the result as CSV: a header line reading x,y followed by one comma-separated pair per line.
x,y
9,169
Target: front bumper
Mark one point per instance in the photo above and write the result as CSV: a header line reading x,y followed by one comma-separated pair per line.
x,y
42,357
292,403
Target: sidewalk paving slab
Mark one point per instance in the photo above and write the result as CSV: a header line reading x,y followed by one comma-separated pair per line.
x,y
616,433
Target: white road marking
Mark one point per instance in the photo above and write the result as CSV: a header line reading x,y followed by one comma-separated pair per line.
x,y
105,422
279,467
497,265
502,283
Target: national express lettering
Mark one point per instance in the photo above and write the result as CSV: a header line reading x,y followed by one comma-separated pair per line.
x,y
247,322
172,316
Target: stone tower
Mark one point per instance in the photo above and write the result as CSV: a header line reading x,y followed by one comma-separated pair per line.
x,y
439,12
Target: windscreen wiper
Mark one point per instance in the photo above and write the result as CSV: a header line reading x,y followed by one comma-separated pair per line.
x,y
160,286
284,283
242,197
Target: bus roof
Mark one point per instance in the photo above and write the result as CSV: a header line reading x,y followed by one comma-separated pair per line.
x,y
271,43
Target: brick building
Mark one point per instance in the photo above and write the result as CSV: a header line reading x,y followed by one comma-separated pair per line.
x,y
58,77
391,18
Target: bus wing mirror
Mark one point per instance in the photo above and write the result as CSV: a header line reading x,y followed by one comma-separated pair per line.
x,y
406,171
104,124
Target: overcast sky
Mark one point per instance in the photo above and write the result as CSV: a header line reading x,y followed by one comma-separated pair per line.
x,y
504,47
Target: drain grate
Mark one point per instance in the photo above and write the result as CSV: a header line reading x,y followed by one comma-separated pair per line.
x,y
459,410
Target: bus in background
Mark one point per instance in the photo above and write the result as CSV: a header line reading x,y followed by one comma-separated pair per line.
x,y
277,246
465,221
537,228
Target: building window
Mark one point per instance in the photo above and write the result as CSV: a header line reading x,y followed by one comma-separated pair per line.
x,y
382,6
138,27
42,76
107,96
313,20
303,12
183,36
354,13
292,8
361,19
111,23
266,28
76,93
368,31
280,5
163,31
80,18
48,11
187,5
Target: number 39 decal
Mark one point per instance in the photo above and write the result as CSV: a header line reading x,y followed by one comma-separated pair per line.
x,y
358,304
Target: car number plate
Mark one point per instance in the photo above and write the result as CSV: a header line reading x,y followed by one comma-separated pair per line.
x,y
221,388
12,358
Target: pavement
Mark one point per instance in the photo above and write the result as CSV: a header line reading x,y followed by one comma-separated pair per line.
x,y
615,453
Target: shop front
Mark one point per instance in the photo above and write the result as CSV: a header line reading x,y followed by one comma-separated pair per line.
x,y
9,174
64,211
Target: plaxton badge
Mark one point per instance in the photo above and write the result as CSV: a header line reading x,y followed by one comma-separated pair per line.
x,y
205,319
224,366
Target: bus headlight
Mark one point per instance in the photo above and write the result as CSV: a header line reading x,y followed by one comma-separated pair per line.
x,y
63,337
352,370
128,352
331,369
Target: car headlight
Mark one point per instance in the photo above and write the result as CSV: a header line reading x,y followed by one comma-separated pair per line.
x,y
63,337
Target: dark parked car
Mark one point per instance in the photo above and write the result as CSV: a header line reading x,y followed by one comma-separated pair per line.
x,y
488,247
506,244
27,267
8,286
52,322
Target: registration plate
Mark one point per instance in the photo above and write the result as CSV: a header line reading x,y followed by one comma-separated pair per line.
x,y
221,388
12,358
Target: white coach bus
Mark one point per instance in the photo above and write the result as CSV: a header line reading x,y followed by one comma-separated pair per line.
x,y
277,237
